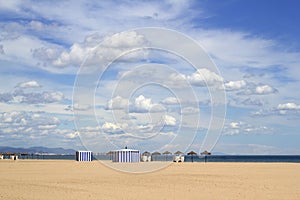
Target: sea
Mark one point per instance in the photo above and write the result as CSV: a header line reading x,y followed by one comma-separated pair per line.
x,y
187,158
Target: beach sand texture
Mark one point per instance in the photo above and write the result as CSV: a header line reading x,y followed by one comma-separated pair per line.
x,y
42,179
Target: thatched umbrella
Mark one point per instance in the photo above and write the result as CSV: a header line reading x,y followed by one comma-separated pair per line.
x,y
178,153
206,153
192,153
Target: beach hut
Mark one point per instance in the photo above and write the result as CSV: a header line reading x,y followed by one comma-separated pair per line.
x,y
146,156
126,155
84,156
156,156
167,153
14,156
178,156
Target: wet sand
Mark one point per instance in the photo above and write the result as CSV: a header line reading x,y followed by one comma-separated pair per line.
x,y
42,179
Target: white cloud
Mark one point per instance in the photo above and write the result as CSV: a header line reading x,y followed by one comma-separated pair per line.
x,y
283,109
170,101
111,48
236,128
258,89
265,89
189,110
112,128
202,77
288,106
29,84
20,96
117,103
169,120
235,85
27,123
143,104
205,77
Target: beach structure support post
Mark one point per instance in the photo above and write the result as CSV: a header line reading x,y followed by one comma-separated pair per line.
x,y
126,155
84,156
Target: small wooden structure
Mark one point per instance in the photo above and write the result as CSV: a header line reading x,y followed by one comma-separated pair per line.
x,y
14,156
126,155
146,156
83,156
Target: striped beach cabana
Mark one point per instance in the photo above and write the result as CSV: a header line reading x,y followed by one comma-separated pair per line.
x,y
126,155
84,156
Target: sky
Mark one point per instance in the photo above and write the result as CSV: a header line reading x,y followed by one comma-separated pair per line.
x,y
169,75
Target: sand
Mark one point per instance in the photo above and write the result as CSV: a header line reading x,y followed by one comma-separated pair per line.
x,y
33,179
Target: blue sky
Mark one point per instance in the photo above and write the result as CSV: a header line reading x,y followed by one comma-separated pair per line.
x,y
150,99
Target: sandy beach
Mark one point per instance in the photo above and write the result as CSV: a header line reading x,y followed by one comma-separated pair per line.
x,y
42,179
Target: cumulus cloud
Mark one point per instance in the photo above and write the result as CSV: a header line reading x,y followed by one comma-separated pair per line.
x,y
288,106
142,104
34,128
113,128
265,89
111,48
20,94
235,85
258,89
202,77
27,123
117,103
169,120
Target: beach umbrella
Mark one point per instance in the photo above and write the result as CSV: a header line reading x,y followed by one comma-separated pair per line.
x,y
178,153
205,153
192,153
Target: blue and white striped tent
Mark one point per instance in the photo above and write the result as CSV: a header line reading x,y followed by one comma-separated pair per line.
x,y
126,155
84,156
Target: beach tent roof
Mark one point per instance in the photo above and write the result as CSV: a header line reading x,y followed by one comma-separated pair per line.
x,y
192,153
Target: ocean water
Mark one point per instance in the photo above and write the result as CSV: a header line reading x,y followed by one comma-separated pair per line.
x,y
244,158
195,158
